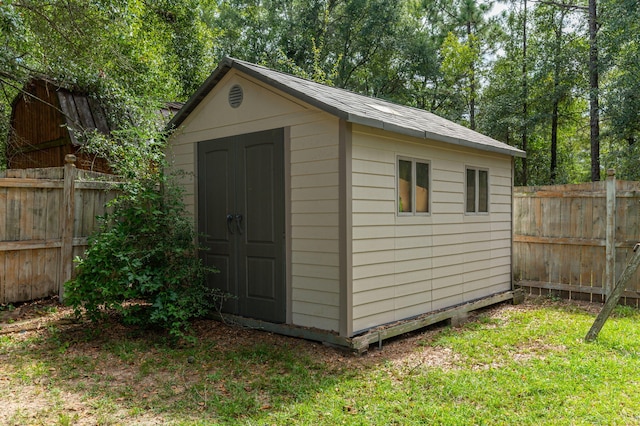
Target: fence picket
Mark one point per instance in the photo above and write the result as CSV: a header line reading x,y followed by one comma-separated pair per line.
x,y
32,264
69,217
564,248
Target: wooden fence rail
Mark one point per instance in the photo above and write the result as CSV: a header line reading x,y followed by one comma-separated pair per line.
x,y
575,240
572,240
46,216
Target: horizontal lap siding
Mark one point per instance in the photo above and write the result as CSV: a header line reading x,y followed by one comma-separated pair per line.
x,y
262,109
472,253
406,266
391,257
313,180
314,225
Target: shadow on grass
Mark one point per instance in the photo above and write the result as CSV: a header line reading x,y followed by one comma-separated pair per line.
x,y
522,364
115,372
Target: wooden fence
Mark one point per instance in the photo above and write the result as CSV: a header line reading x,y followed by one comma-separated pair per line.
x,y
575,240
46,216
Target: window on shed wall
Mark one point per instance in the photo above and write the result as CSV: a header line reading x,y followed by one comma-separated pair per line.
x,y
413,186
477,191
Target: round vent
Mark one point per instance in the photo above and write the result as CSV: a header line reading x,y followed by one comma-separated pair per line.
x,y
235,96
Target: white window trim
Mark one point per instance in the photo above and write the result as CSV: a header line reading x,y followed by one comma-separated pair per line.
x,y
476,211
413,161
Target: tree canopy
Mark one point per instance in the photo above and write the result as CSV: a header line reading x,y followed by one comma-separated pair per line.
x,y
517,70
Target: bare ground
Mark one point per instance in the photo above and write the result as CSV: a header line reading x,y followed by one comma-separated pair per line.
x,y
34,401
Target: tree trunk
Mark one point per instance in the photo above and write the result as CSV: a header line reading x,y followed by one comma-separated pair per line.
x,y
553,170
525,93
594,108
472,84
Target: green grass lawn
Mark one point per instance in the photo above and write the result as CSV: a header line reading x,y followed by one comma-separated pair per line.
x,y
524,364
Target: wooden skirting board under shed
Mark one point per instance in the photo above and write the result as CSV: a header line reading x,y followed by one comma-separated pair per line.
x,y
360,343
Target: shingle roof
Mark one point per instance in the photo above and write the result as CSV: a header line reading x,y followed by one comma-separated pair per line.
x,y
82,113
354,108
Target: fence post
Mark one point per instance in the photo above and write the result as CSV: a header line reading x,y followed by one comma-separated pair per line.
x,y
610,243
68,202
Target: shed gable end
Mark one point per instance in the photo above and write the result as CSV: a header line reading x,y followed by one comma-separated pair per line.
x,y
220,108
36,118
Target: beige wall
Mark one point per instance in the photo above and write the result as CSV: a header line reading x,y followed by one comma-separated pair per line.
x,y
406,266
401,266
312,180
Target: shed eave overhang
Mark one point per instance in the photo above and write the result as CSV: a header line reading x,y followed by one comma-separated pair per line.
x,y
202,92
423,134
228,63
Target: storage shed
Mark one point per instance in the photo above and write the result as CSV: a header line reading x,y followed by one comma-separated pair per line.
x,y
341,217
42,117
45,117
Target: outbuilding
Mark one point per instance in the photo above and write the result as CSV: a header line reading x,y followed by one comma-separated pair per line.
x,y
340,217
48,119
45,117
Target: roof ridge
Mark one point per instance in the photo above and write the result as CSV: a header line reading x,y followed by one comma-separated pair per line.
x,y
353,107
373,98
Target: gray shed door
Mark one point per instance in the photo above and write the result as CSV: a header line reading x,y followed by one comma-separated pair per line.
x,y
241,221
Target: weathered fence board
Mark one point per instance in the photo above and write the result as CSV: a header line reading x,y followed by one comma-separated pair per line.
x,y
575,240
36,256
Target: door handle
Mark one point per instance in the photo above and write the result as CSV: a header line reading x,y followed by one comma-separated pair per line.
x,y
230,218
239,223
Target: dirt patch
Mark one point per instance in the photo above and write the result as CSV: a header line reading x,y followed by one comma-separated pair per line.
x,y
38,398
31,315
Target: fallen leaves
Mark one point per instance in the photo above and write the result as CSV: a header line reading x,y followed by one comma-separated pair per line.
x,y
159,374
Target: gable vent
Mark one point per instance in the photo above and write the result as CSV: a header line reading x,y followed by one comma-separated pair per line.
x,y
235,96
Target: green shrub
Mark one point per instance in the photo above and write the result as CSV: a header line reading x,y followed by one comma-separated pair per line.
x,y
143,262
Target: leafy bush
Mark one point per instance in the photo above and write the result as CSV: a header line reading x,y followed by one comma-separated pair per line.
x,y
143,262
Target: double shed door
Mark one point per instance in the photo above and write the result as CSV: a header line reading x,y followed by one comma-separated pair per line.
x,y
241,221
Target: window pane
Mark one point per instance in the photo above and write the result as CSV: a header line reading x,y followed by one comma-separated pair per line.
x,y
422,188
471,191
483,191
404,186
